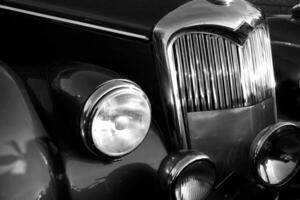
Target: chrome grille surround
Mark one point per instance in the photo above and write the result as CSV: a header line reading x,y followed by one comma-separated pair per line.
x,y
195,15
214,72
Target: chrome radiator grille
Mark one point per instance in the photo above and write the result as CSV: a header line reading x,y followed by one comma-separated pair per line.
x,y
213,72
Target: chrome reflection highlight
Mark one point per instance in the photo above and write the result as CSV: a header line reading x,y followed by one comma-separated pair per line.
x,y
275,154
221,2
213,72
116,118
296,11
73,22
188,175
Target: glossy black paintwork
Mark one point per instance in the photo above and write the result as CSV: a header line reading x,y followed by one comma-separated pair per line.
x,y
71,84
30,164
285,32
131,177
87,176
296,11
284,28
46,45
40,55
137,16
58,90
287,71
285,36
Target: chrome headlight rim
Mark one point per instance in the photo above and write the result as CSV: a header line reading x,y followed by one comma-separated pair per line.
x,y
89,111
256,148
174,165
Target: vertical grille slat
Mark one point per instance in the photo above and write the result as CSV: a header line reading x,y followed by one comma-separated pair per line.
x,y
213,72
179,63
193,72
187,74
226,72
231,74
237,76
209,90
219,72
200,74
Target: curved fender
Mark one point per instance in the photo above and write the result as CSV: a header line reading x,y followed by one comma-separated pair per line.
x,y
71,85
287,72
133,176
29,162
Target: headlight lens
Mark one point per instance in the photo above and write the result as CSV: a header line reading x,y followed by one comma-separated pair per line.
x,y
119,120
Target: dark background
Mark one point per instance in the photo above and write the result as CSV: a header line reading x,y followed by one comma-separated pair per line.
x,y
271,7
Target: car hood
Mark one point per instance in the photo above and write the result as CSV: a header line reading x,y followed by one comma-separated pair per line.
x,y
136,16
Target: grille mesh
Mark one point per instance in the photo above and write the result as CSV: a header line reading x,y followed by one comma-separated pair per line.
x,y
213,72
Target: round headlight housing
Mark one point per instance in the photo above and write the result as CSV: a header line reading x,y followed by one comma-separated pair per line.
x,y
195,181
275,154
115,118
187,175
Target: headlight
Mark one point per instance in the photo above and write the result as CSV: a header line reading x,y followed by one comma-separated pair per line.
x,y
188,175
275,154
115,118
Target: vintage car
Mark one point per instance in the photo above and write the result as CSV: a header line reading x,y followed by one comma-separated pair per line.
x,y
141,99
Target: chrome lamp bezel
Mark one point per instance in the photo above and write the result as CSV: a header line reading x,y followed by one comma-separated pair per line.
x,y
89,108
257,146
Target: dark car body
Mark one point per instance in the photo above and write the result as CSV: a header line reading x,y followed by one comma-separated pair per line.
x,y
285,30
55,53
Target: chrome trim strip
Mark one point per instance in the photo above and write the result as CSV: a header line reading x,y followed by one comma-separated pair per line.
x,y
73,22
286,43
185,161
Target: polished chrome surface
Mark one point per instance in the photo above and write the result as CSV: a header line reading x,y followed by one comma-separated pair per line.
x,y
73,22
174,164
239,19
229,75
89,107
275,154
202,12
296,11
222,2
184,162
